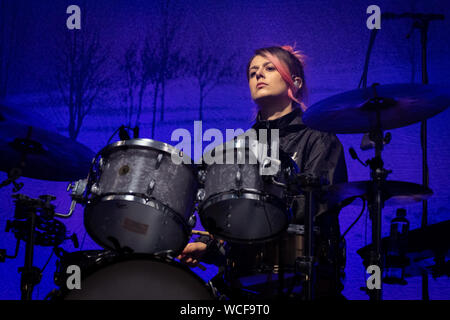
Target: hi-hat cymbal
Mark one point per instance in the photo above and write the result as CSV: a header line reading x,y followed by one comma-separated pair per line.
x,y
393,192
48,155
355,111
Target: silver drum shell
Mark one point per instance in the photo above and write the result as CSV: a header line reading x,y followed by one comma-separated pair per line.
x,y
139,198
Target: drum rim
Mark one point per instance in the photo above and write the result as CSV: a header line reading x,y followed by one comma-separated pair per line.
x,y
115,258
135,197
275,201
147,143
286,160
247,193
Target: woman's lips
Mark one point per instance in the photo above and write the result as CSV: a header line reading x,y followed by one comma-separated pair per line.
x,y
262,84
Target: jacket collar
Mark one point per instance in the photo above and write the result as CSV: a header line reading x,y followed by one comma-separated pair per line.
x,y
292,118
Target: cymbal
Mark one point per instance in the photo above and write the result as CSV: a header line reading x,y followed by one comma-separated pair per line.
x,y
354,111
425,249
393,192
48,155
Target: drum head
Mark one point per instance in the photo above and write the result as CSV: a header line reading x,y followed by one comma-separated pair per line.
x,y
245,220
141,277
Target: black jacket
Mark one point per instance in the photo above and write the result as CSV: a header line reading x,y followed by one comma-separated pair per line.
x,y
317,153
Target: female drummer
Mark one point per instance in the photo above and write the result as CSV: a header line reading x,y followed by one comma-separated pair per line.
x,y
277,85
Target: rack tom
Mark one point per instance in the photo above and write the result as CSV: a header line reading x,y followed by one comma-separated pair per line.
x,y
141,195
239,202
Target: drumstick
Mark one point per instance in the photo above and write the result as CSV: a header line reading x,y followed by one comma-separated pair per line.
x,y
202,233
201,267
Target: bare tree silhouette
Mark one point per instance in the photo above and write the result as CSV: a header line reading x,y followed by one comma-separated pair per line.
x,y
210,69
138,73
143,69
81,75
129,66
169,55
151,65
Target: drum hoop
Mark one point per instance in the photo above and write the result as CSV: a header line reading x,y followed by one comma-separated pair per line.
x,y
147,143
113,259
148,201
263,269
250,194
299,229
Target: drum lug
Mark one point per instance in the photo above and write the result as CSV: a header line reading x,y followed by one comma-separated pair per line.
x,y
201,175
151,187
101,164
239,178
95,189
158,161
201,194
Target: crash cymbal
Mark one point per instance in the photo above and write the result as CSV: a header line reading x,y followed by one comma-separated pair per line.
x,y
393,192
48,155
355,111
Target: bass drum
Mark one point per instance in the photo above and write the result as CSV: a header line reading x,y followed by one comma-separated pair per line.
x,y
134,277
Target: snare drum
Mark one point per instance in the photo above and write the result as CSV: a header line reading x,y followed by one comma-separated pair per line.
x,y
238,203
140,198
267,270
109,276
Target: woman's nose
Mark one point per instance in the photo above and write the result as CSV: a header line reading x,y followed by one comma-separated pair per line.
x,y
259,74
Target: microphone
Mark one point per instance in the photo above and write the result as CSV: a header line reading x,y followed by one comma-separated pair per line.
x,y
135,132
123,134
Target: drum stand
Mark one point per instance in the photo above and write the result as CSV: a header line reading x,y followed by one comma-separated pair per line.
x,y
306,263
31,214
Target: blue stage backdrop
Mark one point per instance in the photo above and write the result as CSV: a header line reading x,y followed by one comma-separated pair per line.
x,y
117,37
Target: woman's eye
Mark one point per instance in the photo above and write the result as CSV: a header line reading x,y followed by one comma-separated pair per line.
x,y
252,74
270,68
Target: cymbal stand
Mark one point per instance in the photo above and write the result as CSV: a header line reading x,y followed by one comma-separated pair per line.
x,y
30,276
31,215
422,22
378,176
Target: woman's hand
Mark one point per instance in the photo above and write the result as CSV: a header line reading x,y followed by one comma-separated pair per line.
x,y
192,253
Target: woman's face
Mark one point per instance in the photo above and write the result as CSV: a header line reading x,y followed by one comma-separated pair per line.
x,y
265,81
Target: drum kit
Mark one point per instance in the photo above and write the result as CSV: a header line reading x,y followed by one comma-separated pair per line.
x,y
141,207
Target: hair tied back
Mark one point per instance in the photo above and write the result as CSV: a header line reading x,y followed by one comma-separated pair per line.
x,y
300,57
